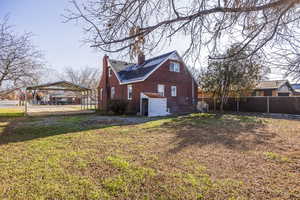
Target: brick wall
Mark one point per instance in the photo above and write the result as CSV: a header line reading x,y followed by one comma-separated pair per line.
x,y
183,102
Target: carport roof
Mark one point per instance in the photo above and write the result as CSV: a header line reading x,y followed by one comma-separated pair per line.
x,y
59,85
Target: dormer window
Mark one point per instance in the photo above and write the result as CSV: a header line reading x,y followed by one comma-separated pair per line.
x,y
174,67
109,72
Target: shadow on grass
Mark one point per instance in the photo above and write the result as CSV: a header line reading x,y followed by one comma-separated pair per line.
x,y
28,128
233,132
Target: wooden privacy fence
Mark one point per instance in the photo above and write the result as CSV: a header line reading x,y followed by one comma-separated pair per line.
x,y
285,105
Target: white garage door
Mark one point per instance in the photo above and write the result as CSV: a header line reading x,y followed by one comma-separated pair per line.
x,y
157,107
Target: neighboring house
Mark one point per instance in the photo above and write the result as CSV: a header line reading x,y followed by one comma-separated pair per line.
x,y
296,88
152,87
273,88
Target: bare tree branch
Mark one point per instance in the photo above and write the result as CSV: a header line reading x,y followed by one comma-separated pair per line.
x,y
87,76
215,25
20,62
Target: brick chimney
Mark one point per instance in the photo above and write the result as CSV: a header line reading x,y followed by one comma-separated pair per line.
x,y
141,58
103,104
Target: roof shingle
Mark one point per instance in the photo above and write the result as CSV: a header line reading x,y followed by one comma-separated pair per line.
x,y
133,72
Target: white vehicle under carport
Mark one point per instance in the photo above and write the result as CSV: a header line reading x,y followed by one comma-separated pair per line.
x,y
153,105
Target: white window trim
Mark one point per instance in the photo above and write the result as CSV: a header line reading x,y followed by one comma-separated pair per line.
x,y
172,87
163,92
112,92
129,87
172,66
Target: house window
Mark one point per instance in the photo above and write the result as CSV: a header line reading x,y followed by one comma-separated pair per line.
x,y
173,91
101,94
174,67
129,92
109,72
112,92
161,89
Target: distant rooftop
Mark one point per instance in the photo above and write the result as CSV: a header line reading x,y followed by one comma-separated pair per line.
x,y
275,84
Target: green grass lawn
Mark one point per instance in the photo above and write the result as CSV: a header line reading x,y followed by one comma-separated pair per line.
x,y
11,112
198,156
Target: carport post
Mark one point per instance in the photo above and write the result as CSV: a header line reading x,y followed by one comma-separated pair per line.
x,y
89,100
84,108
80,100
25,102
83,100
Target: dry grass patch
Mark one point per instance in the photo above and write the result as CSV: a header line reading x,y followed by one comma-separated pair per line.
x,y
11,112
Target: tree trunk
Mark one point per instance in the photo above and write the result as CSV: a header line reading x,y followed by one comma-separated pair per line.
x,y
222,104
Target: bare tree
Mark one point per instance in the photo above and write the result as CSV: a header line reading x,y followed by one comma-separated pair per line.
x,y
143,25
20,61
287,60
87,76
233,77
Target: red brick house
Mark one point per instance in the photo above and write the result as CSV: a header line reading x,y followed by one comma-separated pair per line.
x,y
158,86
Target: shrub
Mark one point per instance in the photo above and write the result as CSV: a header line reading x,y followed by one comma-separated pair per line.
x,y
118,106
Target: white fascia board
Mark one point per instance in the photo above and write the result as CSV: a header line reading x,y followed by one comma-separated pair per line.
x,y
132,81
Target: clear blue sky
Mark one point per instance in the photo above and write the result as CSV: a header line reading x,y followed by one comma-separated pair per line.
x,y
60,42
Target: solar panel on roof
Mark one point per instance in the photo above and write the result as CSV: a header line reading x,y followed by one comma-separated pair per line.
x,y
135,71
296,86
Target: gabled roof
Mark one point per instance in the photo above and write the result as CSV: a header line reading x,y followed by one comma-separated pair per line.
x,y
128,73
271,84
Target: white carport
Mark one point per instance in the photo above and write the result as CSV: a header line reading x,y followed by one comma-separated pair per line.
x,y
153,104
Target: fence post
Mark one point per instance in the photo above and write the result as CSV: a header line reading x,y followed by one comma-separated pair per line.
x,y
215,109
237,104
268,104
